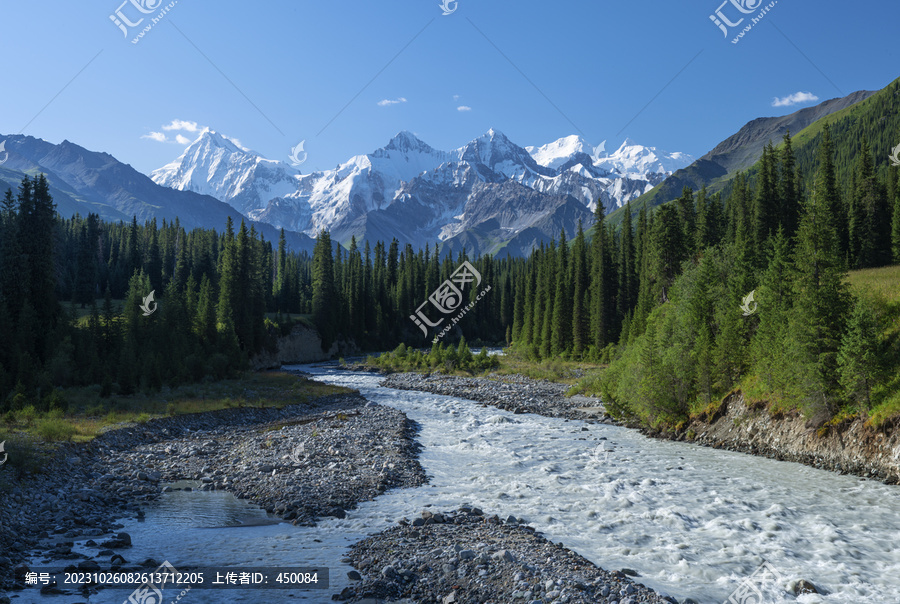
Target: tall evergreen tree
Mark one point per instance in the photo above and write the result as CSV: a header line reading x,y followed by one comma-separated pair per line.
x,y
562,303
324,302
626,292
820,292
581,323
788,193
766,206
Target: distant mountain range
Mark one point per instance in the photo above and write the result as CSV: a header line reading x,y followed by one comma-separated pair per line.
x,y
487,196
83,181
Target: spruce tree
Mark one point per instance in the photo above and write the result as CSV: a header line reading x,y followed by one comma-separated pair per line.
x,y
820,292
562,302
765,208
859,361
626,292
688,219
581,322
324,300
788,193
895,221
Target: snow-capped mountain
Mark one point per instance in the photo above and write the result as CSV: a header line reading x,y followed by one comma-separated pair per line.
x,y
219,166
83,181
482,195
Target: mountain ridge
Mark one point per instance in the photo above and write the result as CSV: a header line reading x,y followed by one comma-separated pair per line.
x,y
409,173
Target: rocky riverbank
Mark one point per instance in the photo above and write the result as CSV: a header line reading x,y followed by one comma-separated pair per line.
x,y
300,462
514,393
465,557
848,448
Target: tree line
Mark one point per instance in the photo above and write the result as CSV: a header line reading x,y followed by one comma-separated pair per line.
x,y
658,297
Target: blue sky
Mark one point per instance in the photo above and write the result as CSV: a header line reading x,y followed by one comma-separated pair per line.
x,y
274,73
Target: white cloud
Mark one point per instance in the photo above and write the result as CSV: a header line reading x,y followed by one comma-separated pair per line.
x,y
176,127
182,125
455,97
464,108
389,102
794,99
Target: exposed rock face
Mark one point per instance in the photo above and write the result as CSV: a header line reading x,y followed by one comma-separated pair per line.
x,y
851,448
302,345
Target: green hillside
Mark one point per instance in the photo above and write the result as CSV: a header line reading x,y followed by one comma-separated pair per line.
x,y
876,119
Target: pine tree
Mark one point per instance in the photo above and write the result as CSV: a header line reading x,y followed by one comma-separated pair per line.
x,y
626,291
859,361
895,221
154,259
204,324
324,292
562,303
580,282
765,208
602,296
87,270
228,284
688,219
828,194
820,293
788,193
669,249
548,288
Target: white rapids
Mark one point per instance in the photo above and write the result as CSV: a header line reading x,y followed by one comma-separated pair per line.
x,y
692,521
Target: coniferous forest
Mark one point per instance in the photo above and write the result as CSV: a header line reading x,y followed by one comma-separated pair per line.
x,y
658,298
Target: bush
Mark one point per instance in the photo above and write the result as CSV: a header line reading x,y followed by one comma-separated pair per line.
x,y
27,414
23,455
54,429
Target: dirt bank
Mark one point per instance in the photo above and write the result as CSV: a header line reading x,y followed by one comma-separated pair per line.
x,y
848,448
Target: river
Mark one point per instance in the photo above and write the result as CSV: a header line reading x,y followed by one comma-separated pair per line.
x,y
692,521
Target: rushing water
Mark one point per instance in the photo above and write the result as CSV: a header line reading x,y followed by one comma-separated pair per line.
x,y
692,521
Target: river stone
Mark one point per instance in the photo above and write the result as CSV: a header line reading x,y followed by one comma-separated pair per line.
x,y
804,587
337,513
354,576
505,555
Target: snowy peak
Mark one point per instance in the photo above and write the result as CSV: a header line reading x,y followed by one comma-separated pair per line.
x,y
559,152
496,152
632,158
406,141
217,165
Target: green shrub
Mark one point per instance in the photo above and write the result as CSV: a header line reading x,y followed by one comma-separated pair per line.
x,y
27,414
54,429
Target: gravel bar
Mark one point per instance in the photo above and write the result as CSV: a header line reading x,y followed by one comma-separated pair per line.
x,y
301,462
466,557
515,393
